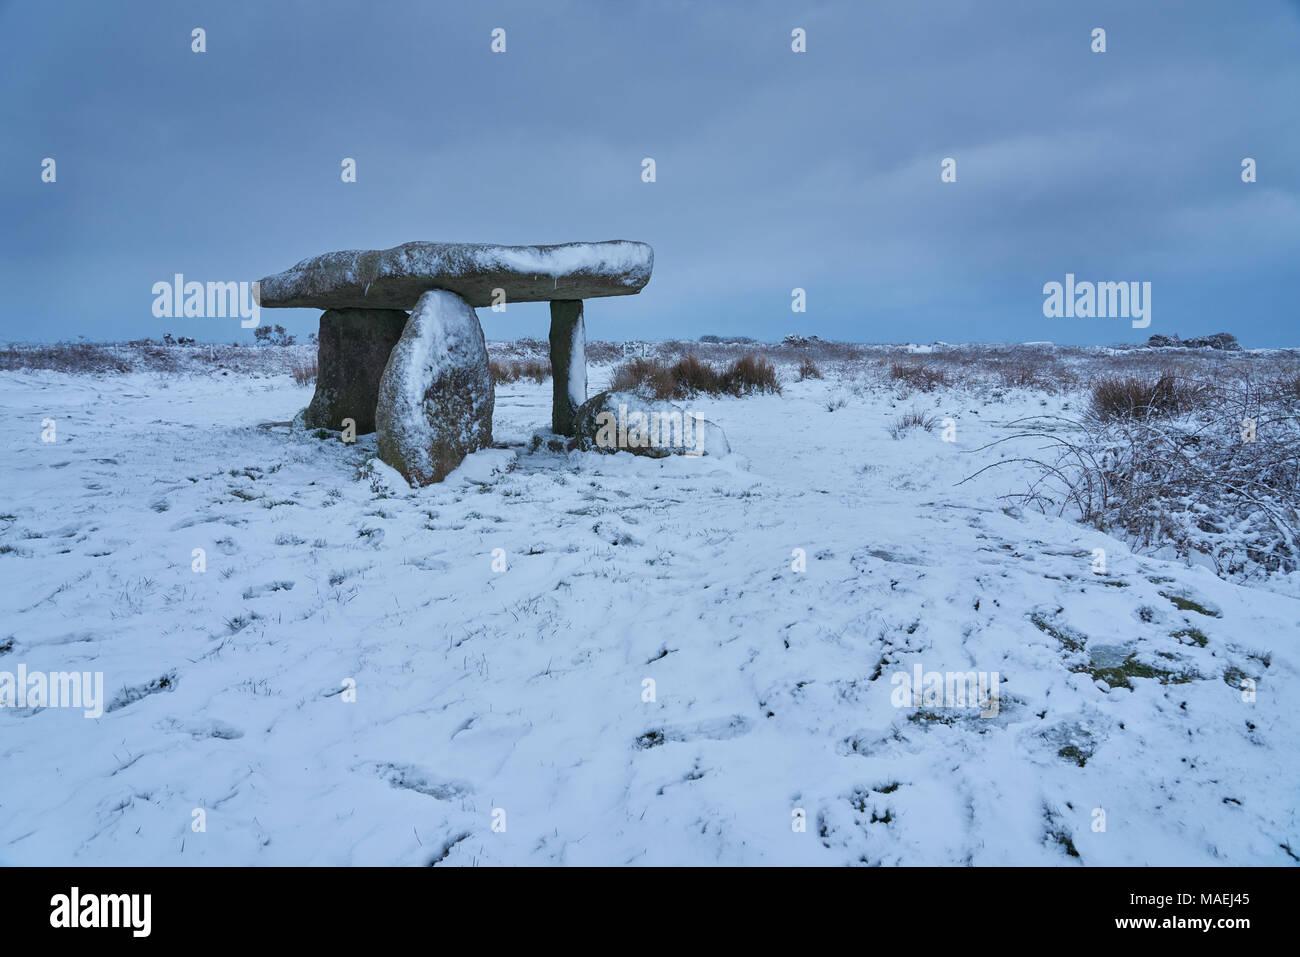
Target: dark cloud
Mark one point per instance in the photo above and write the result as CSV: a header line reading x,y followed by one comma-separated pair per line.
x,y
775,170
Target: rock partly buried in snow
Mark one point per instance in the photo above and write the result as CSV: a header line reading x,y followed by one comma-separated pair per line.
x,y
395,278
354,348
1219,340
435,397
628,421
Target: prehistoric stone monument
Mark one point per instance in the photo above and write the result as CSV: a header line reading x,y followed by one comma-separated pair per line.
x,y
422,381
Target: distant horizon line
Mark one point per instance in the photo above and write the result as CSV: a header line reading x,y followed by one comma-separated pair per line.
x,y
716,340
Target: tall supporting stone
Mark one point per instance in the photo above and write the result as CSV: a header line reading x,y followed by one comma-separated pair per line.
x,y
568,364
436,396
350,359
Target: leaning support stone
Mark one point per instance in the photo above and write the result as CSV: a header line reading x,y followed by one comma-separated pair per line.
x,y
350,359
436,395
568,364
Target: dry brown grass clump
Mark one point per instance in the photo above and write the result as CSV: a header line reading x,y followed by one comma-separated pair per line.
x,y
304,370
751,373
1143,397
690,376
809,370
1028,371
637,373
911,419
918,375
538,370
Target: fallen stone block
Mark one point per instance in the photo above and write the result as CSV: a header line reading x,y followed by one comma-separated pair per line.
x,y
629,422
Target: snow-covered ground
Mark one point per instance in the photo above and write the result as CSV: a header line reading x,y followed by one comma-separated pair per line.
x,y
517,697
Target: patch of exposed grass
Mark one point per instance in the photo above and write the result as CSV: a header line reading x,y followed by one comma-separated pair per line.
x,y
1183,603
1068,637
1072,752
1062,838
1233,677
1117,676
651,739
1190,636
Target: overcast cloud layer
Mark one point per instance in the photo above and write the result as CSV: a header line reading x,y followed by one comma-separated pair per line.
x,y
775,170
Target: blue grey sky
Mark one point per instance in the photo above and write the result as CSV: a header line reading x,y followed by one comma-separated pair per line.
x,y
775,169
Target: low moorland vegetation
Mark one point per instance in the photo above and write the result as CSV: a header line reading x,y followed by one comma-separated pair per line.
x,y
1182,452
1187,465
691,376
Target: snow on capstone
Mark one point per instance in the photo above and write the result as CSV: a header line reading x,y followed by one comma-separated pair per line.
x,y
395,278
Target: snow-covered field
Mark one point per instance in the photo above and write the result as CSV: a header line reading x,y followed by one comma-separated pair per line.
x,y
500,716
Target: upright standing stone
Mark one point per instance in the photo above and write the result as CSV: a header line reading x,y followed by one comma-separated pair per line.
x,y
568,364
354,345
436,395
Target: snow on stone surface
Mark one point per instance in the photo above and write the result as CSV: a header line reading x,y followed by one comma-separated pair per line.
x,y
394,278
578,364
616,257
523,689
619,420
436,392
